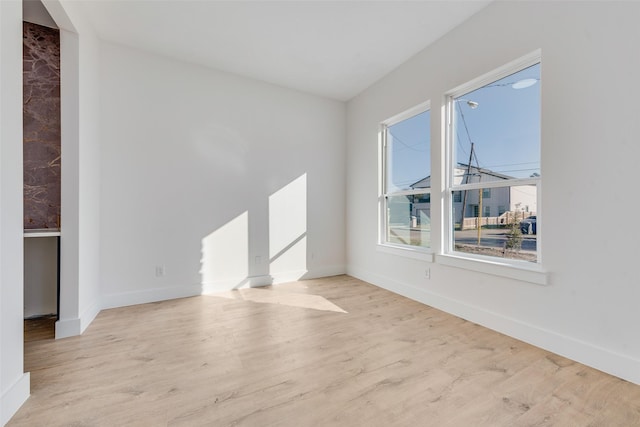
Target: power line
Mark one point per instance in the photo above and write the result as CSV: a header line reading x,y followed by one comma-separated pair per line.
x,y
516,170
460,145
464,121
513,164
410,147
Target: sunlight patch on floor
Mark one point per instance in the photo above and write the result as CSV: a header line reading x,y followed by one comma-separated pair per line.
x,y
291,299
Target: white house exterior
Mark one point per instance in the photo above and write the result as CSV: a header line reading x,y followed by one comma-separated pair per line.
x,y
495,201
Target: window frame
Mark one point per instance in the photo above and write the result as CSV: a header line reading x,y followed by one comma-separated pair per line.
x,y
449,254
414,251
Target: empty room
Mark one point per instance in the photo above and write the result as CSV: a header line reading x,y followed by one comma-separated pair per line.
x,y
312,213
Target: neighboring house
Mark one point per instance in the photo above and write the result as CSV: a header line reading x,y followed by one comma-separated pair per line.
x,y
495,201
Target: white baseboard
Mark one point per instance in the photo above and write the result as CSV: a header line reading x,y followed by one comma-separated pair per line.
x,y
616,364
124,299
288,276
332,270
68,328
235,283
273,279
89,315
160,294
76,326
14,397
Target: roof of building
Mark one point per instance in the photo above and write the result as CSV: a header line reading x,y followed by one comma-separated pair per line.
x,y
474,170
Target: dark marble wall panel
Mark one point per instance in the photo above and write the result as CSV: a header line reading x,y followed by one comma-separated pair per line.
x,y
41,112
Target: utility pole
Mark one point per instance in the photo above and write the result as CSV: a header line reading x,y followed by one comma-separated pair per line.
x,y
464,196
479,213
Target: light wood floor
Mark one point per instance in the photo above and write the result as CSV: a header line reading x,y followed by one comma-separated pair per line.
x,y
327,352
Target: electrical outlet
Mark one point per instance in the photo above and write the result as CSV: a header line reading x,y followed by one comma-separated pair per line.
x,y
160,271
427,273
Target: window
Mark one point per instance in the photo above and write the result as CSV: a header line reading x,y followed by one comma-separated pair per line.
x,y
406,187
493,163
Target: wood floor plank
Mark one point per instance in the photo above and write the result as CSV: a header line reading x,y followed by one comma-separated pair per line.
x,y
325,352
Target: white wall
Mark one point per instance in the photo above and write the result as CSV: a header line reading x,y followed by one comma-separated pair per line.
x,y
35,12
40,276
89,208
14,384
204,172
589,311
80,216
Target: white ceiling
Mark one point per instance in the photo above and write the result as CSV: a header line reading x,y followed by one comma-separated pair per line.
x,y
333,49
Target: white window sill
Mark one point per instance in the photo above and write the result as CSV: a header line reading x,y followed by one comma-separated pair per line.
x,y
525,272
408,252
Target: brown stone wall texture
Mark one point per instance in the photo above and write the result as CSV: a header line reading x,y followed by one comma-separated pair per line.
x,y
41,121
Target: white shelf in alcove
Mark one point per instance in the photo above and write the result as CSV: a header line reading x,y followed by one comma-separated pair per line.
x,y
42,232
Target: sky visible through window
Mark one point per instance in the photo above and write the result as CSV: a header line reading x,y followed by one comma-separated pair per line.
x,y
501,120
409,148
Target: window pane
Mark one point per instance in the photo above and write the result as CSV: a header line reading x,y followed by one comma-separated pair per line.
x,y
409,220
497,130
408,154
511,234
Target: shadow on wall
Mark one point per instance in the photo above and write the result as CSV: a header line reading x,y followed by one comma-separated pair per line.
x,y
227,256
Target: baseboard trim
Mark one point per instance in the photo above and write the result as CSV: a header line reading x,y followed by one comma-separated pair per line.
x,y
14,397
613,363
124,299
235,283
288,276
68,328
273,279
332,270
71,327
89,315
161,294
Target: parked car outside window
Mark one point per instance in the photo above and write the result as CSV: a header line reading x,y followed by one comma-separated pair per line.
x,y
528,225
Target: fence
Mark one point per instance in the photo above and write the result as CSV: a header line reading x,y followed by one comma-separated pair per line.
x,y
502,220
